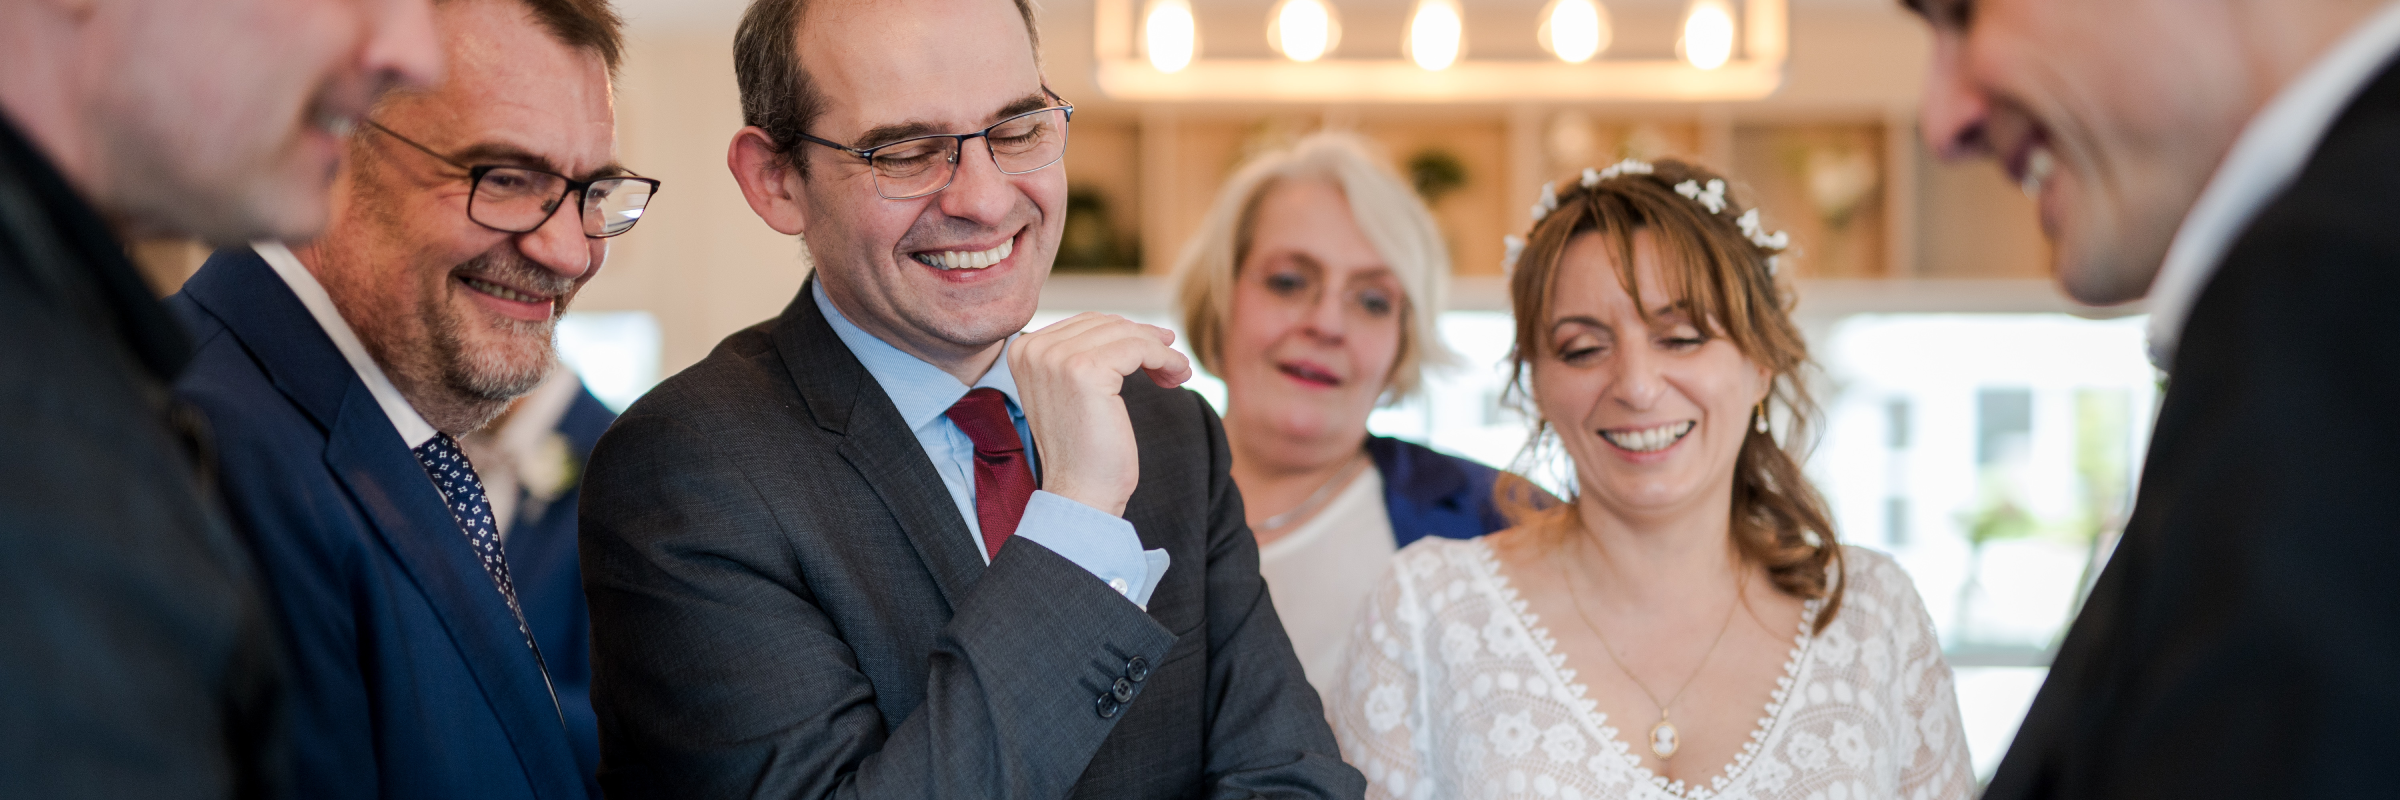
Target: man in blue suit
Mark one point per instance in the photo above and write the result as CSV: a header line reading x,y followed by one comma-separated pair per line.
x,y
339,375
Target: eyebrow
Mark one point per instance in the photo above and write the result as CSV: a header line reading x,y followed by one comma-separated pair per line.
x,y
508,155
881,135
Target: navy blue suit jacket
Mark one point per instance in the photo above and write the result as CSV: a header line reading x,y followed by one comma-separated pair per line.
x,y
409,678
542,563
1427,493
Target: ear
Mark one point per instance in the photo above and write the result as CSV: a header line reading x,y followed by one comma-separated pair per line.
x,y
768,181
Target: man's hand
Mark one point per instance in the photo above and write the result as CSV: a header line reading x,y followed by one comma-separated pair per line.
x,y
1068,376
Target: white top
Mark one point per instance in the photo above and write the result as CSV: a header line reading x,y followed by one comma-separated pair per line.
x,y
412,427
1322,572
1454,690
2272,150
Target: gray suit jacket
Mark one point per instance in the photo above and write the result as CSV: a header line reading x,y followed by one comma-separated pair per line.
x,y
785,603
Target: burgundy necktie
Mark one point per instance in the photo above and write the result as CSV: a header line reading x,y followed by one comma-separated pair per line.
x,y
1003,480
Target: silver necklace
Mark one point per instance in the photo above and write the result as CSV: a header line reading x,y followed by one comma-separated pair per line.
x,y
1316,499
1664,738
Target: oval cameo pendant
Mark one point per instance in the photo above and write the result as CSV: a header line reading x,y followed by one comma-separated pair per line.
x,y
1663,739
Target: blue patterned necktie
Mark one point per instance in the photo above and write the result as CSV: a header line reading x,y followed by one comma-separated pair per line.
x,y
463,493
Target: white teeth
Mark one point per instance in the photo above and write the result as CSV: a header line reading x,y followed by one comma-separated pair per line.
x,y
336,124
503,292
1651,440
959,259
2039,165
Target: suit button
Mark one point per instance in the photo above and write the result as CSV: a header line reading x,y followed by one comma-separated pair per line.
x,y
1122,690
1108,706
1138,669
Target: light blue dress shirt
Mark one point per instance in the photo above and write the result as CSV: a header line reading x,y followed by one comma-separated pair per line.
x,y
1103,545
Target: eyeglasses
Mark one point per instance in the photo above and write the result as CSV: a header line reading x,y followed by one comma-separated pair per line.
x,y
913,168
520,200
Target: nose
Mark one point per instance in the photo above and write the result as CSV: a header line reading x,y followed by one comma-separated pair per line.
x,y
559,244
1325,319
979,192
1639,382
402,49
1956,114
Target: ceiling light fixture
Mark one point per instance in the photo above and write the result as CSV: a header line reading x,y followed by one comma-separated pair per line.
x,y
1303,30
1575,30
1170,34
1435,34
1707,41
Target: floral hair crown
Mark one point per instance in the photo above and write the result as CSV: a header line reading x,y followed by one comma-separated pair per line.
x,y
1711,197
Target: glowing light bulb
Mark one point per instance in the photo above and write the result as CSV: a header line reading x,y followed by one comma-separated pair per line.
x,y
1433,34
1303,30
1707,34
1575,30
1171,34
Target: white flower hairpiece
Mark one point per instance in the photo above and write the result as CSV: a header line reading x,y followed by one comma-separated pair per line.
x,y
1711,198
1765,241
1548,203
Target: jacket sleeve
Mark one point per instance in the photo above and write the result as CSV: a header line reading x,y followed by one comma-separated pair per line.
x,y
1267,736
718,672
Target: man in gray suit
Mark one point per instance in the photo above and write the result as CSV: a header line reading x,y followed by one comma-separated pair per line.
x,y
817,561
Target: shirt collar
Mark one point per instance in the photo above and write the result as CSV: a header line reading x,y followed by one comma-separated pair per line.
x,y
412,426
2274,147
921,391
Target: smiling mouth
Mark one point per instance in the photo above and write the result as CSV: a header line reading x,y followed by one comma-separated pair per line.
x,y
966,259
499,291
1651,440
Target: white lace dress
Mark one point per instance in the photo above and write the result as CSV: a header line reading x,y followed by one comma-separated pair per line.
x,y
1452,689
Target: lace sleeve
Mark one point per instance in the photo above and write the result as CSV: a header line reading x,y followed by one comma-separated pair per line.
x,y
1376,705
1938,768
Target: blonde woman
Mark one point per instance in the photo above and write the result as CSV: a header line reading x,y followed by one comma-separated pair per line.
x,y
1312,291
1685,625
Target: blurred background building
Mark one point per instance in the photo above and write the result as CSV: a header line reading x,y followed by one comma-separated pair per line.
x,y
1981,428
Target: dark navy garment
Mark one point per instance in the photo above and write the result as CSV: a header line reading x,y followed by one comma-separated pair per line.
x,y
1427,493
549,581
409,675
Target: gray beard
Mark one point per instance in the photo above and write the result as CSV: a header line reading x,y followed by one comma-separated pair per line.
x,y
513,366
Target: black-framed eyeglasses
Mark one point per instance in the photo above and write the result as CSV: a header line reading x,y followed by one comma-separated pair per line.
x,y
919,166
520,200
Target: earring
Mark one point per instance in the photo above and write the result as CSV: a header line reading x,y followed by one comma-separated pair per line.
x,y
1762,418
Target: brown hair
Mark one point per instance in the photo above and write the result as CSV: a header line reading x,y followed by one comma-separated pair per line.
x,y
1712,266
777,96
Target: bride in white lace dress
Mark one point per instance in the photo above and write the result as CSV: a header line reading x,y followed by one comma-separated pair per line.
x,y
1685,626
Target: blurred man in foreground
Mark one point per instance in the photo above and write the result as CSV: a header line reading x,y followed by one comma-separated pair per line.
x,y
339,375
136,653
2236,161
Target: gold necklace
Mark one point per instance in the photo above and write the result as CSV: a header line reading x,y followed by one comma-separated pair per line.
x,y
1316,499
1664,738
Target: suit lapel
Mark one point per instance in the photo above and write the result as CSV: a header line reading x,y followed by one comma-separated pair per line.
x,y
408,514
398,501
846,401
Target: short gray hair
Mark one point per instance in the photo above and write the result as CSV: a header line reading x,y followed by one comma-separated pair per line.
x,y
1387,211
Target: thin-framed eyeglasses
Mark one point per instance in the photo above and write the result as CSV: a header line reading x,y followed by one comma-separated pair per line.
x,y
922,165
520,199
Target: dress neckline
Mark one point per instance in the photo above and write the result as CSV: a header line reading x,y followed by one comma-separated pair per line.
x,y
1586,710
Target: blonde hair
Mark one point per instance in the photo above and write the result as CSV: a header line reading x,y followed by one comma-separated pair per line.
x,y
1386,210
1712,265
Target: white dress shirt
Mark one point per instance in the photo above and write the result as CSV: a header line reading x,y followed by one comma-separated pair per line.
x,y
2272,150
412,426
